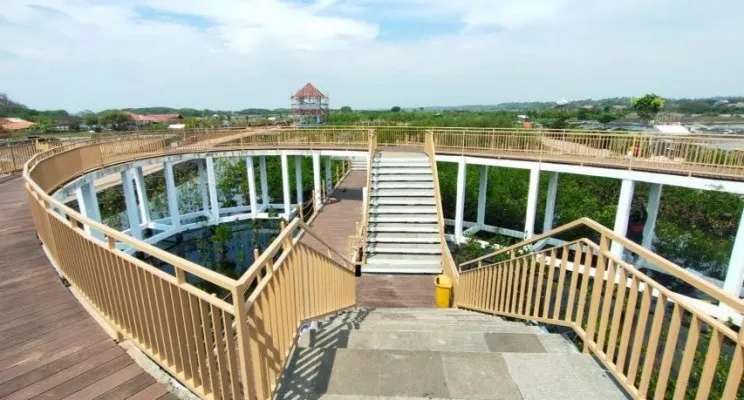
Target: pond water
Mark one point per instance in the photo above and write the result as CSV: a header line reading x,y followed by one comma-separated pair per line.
x,y
226,248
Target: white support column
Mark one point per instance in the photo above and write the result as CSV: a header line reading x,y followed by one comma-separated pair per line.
x,y
251,185
328,176
203,185
144,205
212,187
298,178
460,203
264,181
735,271
316,181
88,204
171,194
287,196
131,204
482,189
652,211
532,192
550,202
622,214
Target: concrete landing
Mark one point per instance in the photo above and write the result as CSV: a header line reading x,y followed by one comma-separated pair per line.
x,y
378,354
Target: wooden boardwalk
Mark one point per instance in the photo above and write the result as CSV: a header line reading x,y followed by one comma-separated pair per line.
x,y
337,221
50,347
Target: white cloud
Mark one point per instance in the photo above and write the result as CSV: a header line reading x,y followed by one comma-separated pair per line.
x,y
97,54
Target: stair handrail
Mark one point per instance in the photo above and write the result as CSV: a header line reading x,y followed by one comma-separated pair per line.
x,y
610,236
448,263
360,237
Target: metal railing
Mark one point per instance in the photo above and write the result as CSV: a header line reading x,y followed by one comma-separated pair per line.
x,y
633,324
220,348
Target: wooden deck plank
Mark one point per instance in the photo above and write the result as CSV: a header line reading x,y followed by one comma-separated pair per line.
x,y
50,347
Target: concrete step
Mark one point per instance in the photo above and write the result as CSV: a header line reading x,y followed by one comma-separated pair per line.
x,y
508,339
402,178
404,218
403,248
403,209
368,374
401,162
401,171
403,185
403,228
399,237
413,269
388,201
402,193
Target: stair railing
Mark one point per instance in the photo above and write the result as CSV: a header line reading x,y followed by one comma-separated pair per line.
x,y
359,240
448,263
631,323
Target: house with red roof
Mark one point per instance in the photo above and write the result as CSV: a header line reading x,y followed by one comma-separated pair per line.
x,y
309,106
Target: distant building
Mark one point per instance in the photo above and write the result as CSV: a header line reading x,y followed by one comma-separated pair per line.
x,y
15,124
671,129
155,118
309,106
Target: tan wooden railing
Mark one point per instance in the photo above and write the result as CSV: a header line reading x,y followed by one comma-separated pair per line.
x,y
448,263
220,348
657,343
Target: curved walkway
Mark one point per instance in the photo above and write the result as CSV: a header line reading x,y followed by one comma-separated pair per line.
x,y
50,347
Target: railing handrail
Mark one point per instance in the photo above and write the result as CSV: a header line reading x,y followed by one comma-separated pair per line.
x,y
429,149
670,267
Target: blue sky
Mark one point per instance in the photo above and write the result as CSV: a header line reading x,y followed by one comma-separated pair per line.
x,y
234,54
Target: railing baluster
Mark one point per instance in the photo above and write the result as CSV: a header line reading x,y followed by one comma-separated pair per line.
x,y
653,343
640,332
575,271
549,287
669,349
561,281
685,366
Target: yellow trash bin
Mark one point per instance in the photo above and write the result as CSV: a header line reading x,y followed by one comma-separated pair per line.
x,y
443,291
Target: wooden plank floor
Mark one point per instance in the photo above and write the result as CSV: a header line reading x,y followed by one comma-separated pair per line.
x,y
337,221
50,347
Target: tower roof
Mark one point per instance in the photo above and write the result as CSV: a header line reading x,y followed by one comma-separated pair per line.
x,y
309,90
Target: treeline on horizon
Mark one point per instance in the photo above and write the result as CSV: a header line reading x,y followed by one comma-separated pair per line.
x,y
704,106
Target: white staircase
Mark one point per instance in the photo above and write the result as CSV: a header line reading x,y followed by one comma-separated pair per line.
x,y
359,163
403,236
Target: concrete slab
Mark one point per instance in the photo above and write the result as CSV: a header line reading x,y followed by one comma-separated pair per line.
x,y
404,341
596,377
457,341
513,343
547,376
478,376
353,372
554,343
412,373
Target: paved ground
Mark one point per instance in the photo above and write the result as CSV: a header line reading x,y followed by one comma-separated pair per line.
x,y
50,347
439,354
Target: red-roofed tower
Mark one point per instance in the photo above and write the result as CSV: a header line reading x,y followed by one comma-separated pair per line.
x,y
309,106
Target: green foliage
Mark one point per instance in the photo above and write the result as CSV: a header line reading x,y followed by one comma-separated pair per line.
x,y
648,106
395,109
117,120
345,109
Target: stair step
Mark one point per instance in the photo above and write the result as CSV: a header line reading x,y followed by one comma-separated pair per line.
x,y
403,185
413,269
401,171
402,178
389,201
402,193
403,248
398,237
404,218
404,163
410,259
403,228
403,209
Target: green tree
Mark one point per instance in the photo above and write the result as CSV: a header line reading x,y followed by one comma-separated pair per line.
x,y
90,119
395,109
118,120
648,106
345,109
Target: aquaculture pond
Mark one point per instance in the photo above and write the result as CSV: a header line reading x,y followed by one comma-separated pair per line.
x,y
226,248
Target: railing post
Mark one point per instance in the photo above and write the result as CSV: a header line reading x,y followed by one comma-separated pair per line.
x,y
599,272
244,356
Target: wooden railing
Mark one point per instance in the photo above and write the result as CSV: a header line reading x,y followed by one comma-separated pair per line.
x,y
448,263
657,343
358,241
233,347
